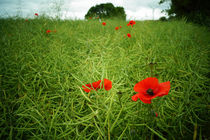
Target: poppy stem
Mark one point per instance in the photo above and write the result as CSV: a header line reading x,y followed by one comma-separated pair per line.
x,y
120,103
119,97
151,112
151,68
152,72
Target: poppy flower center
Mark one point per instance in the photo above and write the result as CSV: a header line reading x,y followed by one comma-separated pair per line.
x,y
150,91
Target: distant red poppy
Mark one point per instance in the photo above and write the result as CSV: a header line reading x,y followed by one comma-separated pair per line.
x,y
150,88
48,31
104,23
107,84
90,17
116,28
94,86
132,22
26,20
36,14
129,35
120,26
54,31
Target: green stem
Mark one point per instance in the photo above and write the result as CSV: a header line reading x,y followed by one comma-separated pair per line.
x,y
151,68
151,113
119,97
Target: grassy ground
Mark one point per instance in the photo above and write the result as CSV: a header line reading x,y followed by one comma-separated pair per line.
x,y
41,78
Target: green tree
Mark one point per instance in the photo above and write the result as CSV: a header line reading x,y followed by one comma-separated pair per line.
x,y
193,10
107,10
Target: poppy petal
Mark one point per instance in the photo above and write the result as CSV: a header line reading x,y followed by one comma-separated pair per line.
x,y
107,84
138,95
86,89
150,82
164,88
96,85
135,97
145,84
147,96
145,101
139,87
104,23
89,85
129,35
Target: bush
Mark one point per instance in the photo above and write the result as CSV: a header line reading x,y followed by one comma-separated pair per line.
x,y
162,19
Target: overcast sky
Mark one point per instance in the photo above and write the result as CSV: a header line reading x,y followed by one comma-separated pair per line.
x,y
76,9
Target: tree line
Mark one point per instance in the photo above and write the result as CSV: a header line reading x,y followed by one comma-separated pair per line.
x,y
197,11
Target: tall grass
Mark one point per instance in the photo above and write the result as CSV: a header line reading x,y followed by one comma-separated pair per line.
x,y
41,78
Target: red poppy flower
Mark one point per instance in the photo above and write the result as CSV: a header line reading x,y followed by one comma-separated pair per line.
x,y
26,20
132,22
48,31
104,23
36,14
150,88
116,28
129,35
120,26
94,86
107,84
90,17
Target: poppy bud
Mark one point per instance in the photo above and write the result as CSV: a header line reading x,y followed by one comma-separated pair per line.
x,y
155,114
119,94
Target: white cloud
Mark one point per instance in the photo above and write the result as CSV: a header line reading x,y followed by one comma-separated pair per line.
x,y
144,14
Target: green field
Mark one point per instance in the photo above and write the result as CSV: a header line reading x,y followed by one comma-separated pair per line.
x,y
41,78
